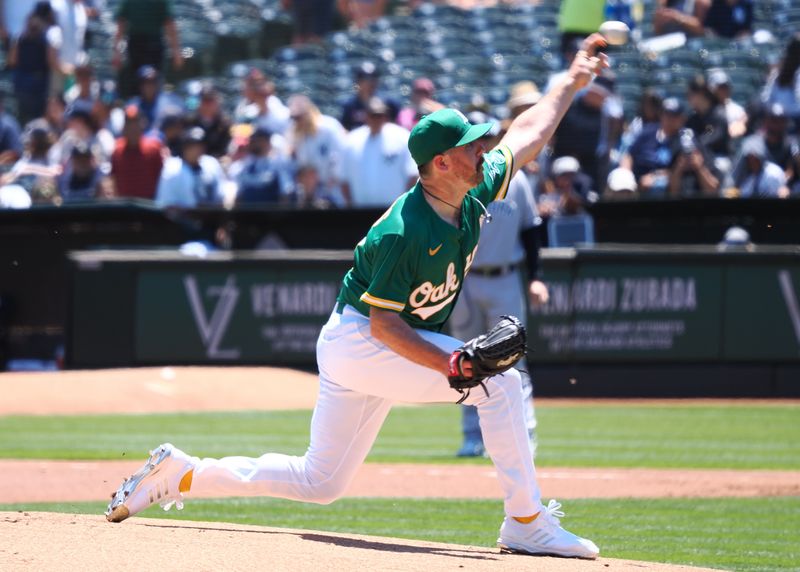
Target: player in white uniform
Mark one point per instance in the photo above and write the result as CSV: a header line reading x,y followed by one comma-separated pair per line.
x,y
494,288
382,343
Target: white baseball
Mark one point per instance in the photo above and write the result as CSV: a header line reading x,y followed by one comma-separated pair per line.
x,y
615,33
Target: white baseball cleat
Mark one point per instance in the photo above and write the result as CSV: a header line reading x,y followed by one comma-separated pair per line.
x,y
163,479
544,536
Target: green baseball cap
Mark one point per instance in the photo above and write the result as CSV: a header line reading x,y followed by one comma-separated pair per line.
x,y
440,131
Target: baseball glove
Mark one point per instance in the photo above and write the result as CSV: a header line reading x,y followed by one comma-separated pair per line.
x,y
489,354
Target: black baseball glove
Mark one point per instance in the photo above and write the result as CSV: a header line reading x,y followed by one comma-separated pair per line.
x,y
489,354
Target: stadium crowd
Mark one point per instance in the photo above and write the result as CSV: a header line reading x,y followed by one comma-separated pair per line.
x,y
73,136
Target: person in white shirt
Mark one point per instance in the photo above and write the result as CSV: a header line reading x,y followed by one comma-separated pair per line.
x,y
259,104
377,166
192,180
72,19
720,85
757,177
316,140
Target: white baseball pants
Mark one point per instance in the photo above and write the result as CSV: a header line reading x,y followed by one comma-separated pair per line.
x,y
360,379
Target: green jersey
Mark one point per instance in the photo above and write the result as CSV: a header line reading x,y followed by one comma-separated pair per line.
x,y
412,261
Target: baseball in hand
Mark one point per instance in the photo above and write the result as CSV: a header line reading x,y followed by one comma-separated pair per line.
x,y
615,33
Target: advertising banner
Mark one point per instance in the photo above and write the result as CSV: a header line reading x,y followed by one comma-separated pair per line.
x,y
237,316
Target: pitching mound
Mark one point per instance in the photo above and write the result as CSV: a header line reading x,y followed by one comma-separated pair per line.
x,y
48,541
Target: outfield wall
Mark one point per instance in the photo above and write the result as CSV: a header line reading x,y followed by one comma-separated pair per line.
x,y
621,320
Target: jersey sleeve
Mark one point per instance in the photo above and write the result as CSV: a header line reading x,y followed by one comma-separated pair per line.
x,y
392,273
498,165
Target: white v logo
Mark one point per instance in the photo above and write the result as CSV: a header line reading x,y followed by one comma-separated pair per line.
x,y
790,297
212,331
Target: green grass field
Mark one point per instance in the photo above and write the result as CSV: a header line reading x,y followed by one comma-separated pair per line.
x,y
746,535
737,534
758,437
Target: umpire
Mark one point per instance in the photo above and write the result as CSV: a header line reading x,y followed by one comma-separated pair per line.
x,y
494,285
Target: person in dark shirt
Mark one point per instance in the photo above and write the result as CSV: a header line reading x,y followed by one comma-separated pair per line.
x,y
707,118
81,178
780,146
32,58
729,18
216,124
661,148
145,23
590,128
354,110
260,176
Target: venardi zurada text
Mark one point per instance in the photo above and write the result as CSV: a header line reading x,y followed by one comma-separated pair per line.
x,y
628,294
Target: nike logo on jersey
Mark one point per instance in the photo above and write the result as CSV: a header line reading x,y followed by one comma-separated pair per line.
x,y
433,251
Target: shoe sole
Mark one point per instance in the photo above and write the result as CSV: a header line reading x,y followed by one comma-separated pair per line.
x,y
504,547
117,511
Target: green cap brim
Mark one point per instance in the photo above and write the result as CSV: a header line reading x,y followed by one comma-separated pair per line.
x,y
473,133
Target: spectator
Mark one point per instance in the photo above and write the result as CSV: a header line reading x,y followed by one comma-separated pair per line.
x,y
145,23
137,160
171,133
310,191
261,177
213,120
522,96
354,110
793,180
422,103
109,118
707,118
755,176
55,113
783,83
377,166
692,172
192,180
780,146
81,178
259,104
729,18
720,85
10,140
71,18
361,13
86,88
81,129
591,128
566,191
659,157
153,103
14,17
577,19
312,19
33,56
317,140
649,114
687,16
34,170
620,186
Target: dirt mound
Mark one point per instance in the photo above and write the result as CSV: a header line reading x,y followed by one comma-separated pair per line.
x,y
88,543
